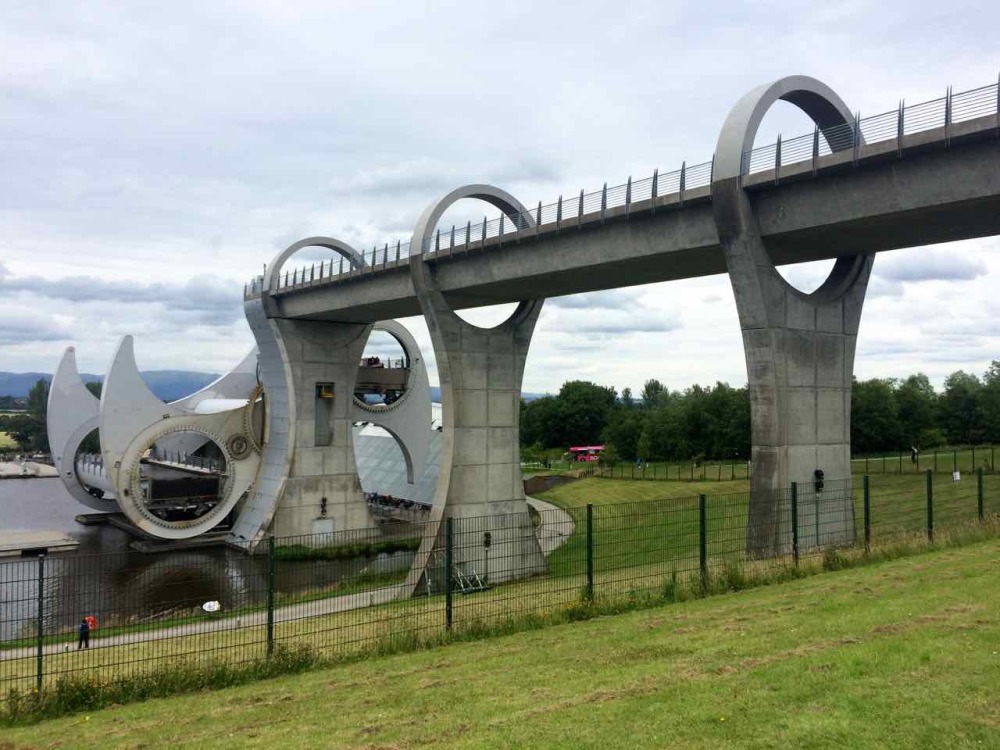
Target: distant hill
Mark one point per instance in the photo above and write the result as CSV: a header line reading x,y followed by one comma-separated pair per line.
x,y
168,385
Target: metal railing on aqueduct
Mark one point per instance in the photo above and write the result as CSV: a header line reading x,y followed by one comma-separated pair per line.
x,y
568,211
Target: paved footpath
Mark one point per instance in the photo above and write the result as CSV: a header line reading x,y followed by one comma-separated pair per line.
x,y
555,530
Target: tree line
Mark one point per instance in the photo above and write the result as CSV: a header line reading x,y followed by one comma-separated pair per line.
x,y
713,422
28,428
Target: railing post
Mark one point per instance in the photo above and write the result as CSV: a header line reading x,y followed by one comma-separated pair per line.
x,y
930,507
868,514
654,190
777,158
856,150
397,251
947,118
628,197
979,493
482,240
449,557
815,153
271,565
579,213
40,627
703,538
590,552
604,201
559,212
500,231
900,127
795,522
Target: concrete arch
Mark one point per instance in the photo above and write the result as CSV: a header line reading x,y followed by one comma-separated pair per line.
x,y
799,348
423,280
835,121
408,419
480,371
296,471
273,272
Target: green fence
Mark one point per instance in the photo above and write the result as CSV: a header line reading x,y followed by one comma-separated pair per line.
x,y
352,593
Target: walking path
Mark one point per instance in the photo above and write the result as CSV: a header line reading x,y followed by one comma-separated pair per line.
x,y
556,528
315,608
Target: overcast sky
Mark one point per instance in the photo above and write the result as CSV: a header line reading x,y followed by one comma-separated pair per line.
x,y
155,155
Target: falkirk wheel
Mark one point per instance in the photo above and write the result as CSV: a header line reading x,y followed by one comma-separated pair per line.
x,y
266,449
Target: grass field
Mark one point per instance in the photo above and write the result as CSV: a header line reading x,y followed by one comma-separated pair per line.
x,y
899,654
943,460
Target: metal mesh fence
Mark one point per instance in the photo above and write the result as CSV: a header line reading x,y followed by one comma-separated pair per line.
x,y
367,591
965,460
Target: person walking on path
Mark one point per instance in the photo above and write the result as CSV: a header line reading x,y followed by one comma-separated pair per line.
x,y
84,631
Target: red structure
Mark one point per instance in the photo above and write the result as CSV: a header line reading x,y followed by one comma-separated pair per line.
x,y
586,452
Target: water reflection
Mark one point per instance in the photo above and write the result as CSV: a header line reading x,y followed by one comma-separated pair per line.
x,y
120,586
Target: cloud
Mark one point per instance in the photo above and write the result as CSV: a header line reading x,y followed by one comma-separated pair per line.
x,y
644,320
212,299
22,328
929,264
612,299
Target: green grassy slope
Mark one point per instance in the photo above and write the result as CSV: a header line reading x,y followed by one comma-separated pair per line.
x,y
900,654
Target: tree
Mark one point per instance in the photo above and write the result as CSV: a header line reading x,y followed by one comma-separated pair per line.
x,y
627,401
874,416
989,403
918,408
30,431
961,415
652,391
645,445
584,409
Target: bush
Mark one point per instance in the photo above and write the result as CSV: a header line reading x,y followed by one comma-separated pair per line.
x,y
345,551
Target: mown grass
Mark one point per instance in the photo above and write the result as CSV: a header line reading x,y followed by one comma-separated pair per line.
x,y
900,654
943,460
639,547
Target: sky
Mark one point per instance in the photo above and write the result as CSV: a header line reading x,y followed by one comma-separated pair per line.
x,y
156,155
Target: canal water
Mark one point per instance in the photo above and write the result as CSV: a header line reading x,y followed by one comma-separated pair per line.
x,y
105,578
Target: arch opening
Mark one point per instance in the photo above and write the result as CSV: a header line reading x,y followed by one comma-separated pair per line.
x,y
182,477
433,234
384,371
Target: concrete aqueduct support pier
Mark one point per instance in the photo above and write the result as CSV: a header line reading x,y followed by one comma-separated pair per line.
x,y
307,482
480,372
799,347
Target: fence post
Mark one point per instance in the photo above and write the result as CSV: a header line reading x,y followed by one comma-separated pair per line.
x,y
271,564
930,507
954,460
795,522
979,492
41,623
590,552
449,555
703,538
868,515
